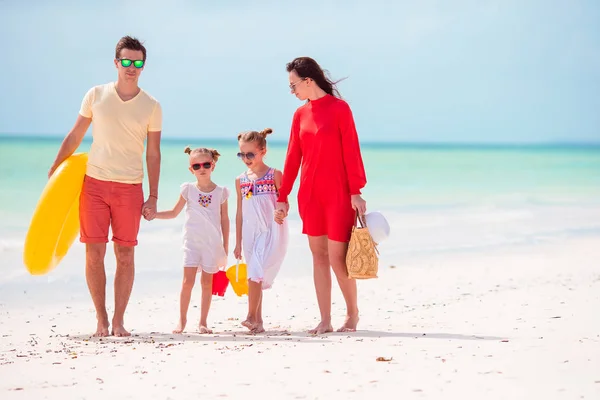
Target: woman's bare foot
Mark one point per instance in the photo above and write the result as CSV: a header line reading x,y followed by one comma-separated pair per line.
x,y
119,330
101,328
349,324
203,329
180,326
323,327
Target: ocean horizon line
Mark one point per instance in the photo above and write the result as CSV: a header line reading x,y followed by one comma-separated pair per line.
x,y
369,143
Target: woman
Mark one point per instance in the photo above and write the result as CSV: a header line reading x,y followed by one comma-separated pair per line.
x,y
323,140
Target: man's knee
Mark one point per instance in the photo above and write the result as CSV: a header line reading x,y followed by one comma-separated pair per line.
x,y
94,253
124,255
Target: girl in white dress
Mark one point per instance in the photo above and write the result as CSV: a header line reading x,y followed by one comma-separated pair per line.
x,y
205,233
261,234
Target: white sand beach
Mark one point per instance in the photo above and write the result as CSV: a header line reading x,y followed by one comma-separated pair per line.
x,y
479,130
516,323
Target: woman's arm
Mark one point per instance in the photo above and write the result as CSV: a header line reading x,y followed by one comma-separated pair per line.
x,y
355,169
353,163
279,215
293,159
173,212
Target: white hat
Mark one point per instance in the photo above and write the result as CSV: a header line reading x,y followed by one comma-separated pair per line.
x,y
378,226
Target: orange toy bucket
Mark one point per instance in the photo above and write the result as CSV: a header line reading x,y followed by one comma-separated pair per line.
x,y
220,283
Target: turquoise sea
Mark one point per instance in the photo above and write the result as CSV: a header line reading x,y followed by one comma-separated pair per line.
x,y
437,197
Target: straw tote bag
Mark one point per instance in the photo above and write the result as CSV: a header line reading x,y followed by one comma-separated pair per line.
x,y
362,258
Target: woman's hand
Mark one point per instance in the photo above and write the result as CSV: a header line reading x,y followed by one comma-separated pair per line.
x,y
359,204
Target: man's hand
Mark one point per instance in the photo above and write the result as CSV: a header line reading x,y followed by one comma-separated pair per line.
x,y
149,208
51,171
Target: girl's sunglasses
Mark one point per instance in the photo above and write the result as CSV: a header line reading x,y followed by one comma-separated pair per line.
x,y
249,156
206,165
126,63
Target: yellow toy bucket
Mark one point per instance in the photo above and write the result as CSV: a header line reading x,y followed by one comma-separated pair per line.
x,y
237,276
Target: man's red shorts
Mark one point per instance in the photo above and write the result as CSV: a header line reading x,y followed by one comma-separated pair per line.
x,y
105,204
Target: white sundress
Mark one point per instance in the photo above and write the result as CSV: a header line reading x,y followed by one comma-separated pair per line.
x,y
202,234
264,241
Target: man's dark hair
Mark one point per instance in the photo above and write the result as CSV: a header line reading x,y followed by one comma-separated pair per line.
x,y
131,43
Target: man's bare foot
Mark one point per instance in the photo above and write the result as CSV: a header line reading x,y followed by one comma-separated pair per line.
x,y
180,326
101,329
119,330
257,328
204,330
322,328
350,324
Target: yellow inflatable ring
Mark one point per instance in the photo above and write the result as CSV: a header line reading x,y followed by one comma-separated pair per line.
x,y
55,222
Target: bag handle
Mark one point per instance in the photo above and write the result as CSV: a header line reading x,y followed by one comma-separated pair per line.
x,y
360,219
363,223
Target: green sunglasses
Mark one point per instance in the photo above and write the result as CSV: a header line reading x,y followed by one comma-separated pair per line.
x,y
125,62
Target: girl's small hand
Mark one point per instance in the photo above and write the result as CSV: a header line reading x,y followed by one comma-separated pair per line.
x,y
148,214
281,208
359,204
279,216
149,208
237,252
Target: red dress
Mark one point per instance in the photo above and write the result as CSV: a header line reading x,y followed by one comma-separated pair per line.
x,y
323,140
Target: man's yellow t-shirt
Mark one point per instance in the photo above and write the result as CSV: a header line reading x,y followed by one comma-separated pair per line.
x,y
119,131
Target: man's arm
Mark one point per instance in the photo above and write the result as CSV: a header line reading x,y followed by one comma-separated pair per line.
x,y
153,164
71,142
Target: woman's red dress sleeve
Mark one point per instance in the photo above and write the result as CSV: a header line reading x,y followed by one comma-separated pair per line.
x,y
293,159
355,169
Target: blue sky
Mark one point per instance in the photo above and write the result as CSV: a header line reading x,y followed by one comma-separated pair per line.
x,y
425,71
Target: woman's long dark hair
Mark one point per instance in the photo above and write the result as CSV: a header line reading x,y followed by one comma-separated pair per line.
x,y
306,67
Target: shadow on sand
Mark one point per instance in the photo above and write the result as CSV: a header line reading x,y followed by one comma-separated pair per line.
x,y
274,336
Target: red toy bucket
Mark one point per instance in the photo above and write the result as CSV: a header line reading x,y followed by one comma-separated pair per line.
x,y
220,283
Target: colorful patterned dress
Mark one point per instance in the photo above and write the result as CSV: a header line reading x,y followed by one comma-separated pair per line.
x,y
264,241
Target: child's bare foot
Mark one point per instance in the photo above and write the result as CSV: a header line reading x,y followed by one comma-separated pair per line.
x,y
257,328
202,328
323,327
180,326
248,323
350,324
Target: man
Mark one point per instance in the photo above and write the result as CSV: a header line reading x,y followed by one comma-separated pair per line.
x,y
123,117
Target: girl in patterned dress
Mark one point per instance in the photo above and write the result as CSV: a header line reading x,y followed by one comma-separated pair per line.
x,y
260,232
205,232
